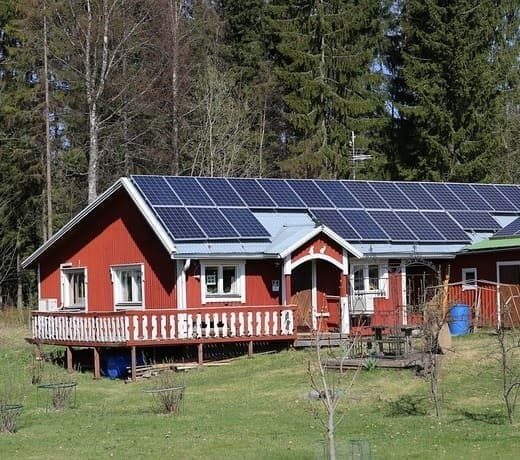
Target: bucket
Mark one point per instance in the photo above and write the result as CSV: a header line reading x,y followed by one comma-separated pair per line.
x,y
459,319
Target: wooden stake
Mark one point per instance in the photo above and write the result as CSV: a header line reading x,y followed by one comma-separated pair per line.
x,y
200,353
97,373
250,349
70,368
134,363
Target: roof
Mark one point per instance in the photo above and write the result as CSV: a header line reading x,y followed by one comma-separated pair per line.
x,y
495,243
246,217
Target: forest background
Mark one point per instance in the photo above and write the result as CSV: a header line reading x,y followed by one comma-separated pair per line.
x,y
92,90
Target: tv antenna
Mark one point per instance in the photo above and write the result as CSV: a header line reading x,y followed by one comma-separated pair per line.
x,y
356,155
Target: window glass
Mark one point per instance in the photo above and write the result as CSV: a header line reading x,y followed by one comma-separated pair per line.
x,y
74,291
469,277
211,280
359,282
373,277
131,290
77,288
228,279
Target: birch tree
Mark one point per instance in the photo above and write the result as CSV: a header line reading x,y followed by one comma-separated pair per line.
x,y
97,35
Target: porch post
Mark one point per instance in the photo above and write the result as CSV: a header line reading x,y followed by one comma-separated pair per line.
x,y
250,349
97,373
70,368
343,295
200,353
133,355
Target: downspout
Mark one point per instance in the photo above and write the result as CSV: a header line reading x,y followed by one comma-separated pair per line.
x,y
182,268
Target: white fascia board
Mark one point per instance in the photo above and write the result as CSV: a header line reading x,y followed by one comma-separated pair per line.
x,y
149,216
327,231
73,222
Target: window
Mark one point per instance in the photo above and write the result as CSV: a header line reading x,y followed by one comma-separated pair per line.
x,y
73,292
369,278
223,282
469,278
128,287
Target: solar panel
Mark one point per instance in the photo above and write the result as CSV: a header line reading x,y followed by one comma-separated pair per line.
x,y
392,225
220,191
245,223
156,191
179,223
444,196
512,193
493,196
189,191
422,228
364,225
392,195
281,193
338,194
470,220
446,226
417,195
333,219
468,195
251,192
309,193
510,230
365,194
213,223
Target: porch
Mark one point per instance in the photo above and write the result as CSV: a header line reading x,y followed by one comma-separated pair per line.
x,y
162,328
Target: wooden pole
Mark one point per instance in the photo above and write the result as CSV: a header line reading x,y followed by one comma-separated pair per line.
x,y
134,363
200,353
97,373
250,349
70,368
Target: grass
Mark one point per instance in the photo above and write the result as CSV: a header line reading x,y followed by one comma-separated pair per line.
x,y
258,409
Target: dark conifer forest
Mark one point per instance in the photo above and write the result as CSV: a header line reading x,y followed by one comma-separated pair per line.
x,y
92,90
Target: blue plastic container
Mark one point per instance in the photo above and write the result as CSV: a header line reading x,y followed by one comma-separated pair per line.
x,y
459,320
115,363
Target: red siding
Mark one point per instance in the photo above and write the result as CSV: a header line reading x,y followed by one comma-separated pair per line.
x,y
319,244
259,274
115,233
485,263
388,311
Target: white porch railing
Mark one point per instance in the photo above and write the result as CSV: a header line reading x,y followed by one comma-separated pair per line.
x,y
165,326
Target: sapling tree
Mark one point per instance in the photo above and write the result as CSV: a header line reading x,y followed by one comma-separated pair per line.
x,y
508,338
330,386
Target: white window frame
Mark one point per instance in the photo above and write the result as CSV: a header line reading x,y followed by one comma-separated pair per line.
x,y
469,284
115,275
382,278
65,271
220,296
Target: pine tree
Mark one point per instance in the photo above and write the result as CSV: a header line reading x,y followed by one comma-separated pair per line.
x,y
20,154
445,88
326,66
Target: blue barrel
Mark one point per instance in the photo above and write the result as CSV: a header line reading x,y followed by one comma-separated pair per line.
x,y
459,319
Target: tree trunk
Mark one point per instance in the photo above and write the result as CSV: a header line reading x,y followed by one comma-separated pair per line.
x,y
19,286
48,179
93,154
330,436
175,13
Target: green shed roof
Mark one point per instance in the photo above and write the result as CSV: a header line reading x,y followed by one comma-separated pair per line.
x,y
497,243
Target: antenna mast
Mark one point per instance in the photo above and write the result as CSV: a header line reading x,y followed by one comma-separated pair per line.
x,y
356,155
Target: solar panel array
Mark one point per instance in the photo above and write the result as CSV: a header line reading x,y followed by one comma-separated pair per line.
x,y
218,208
513,229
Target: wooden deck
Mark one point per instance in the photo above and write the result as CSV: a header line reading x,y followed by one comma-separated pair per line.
x,y
164,327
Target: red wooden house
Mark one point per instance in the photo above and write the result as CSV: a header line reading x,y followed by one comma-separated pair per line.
x,y
163,261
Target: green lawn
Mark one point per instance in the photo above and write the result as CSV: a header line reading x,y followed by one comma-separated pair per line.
x,y
258,409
